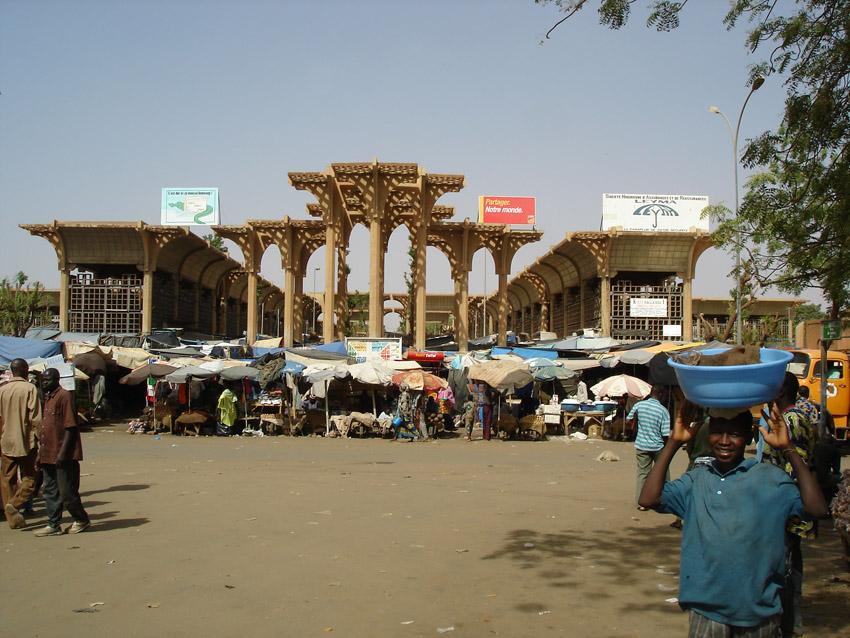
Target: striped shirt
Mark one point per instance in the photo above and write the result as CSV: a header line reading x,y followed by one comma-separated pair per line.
x,y
653,423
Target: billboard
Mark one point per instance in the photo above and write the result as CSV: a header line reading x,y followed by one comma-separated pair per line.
x,y
190,207
373,348
506,210
654,213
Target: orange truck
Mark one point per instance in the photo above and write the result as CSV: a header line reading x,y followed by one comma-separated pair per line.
x,y
806,366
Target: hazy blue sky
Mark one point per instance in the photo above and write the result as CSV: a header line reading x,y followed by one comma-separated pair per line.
x,y
105,103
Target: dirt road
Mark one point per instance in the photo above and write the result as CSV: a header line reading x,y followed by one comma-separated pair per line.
x,y
303,537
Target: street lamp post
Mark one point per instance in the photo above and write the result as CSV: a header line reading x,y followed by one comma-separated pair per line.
x,y
738,288
315,270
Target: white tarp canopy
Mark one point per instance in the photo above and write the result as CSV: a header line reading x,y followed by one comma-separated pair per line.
x,y
372,373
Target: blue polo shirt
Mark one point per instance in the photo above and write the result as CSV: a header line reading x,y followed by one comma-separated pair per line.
x,y
733,542
653,424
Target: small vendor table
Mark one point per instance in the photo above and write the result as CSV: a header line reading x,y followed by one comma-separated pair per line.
x,y
588,418
269,414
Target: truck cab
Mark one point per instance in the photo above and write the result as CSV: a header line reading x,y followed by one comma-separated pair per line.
x,y
806,366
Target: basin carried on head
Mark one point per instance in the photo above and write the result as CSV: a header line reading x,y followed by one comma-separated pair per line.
x,y
733,386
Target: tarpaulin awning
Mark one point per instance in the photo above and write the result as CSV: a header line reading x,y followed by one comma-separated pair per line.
x,y
371,373
141,374
19,348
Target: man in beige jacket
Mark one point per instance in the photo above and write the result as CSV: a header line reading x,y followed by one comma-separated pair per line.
x,y
20,417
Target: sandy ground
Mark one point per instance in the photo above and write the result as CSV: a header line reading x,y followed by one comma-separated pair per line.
x,y
302,537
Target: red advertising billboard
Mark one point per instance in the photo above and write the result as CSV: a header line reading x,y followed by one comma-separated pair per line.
x,y
506,210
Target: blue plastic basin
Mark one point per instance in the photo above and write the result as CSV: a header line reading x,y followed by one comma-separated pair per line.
x,y
733,386
588,407
605,406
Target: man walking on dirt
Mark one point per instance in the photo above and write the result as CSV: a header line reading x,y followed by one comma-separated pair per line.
x,y
60,455
653,428
20,417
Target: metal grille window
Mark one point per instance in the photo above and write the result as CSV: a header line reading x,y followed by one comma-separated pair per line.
x,y
641,311
111,306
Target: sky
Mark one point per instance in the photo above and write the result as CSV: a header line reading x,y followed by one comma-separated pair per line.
x,y
103,104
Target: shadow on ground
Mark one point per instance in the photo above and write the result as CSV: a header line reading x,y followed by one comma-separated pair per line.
x,y
130,487
633,556
592,562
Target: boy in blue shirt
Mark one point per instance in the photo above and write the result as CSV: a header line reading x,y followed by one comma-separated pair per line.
x,y
734,511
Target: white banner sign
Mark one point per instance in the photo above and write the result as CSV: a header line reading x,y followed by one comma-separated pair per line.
x,y
671,330
654,213
639,307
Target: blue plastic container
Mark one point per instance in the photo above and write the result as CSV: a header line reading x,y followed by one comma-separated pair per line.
x,y
733,386
569,407
588,407
605,406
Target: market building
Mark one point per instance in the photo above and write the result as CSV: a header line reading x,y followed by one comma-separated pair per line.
x,y
622,282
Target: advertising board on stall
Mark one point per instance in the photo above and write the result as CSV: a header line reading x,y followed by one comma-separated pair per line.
x,y
506,210
364,349
654,213
190,207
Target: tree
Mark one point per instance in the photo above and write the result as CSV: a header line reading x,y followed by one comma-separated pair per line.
x,y
21,305
215,241
795,217
358,307
808,312
408,321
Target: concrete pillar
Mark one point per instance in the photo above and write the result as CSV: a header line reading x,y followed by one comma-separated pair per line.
x,y
502,320
419,289
251,328
687,309
197,312
330,273
289,309
605,306
376,287
462,311
298,309
341,295
64,298
544,316
147,301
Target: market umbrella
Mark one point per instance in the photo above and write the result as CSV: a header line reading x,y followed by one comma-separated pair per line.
x,y
182,375
621,384
141,374
551,373
419,380
504,376
535,363
90,362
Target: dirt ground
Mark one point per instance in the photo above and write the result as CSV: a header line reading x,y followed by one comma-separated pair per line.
x,y
302,537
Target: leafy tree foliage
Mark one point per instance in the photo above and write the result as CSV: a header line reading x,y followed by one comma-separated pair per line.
x,y
795,218
21,305
808,312
215,241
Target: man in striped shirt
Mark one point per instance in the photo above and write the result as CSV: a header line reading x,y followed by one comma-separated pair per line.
x,y
653,430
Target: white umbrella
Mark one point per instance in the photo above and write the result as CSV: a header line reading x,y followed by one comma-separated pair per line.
x,y
621,384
